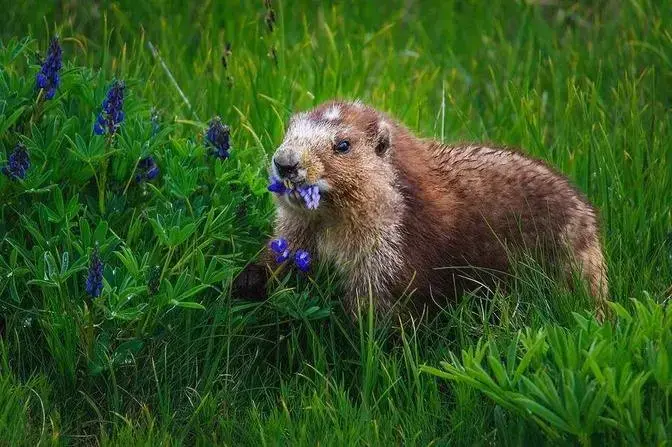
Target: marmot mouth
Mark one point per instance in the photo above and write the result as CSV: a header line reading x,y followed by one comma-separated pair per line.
x,y
297,193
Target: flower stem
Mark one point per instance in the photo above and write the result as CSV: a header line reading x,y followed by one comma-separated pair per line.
x,y
102,184
135,166
101,188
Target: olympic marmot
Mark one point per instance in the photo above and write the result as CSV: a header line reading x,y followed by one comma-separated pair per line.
x,y
399,214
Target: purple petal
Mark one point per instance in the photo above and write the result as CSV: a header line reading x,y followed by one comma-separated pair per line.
x,y
279,245
283,256
152,173
302,260
41,80
277,186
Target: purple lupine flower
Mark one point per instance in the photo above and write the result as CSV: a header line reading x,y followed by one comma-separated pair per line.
x,y
152,172
277,186
310,195
302,260
218,137
48,78
94,280
281,248
112,115
147,169
18,163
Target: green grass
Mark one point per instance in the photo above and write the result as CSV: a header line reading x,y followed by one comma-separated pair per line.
x,y
584,85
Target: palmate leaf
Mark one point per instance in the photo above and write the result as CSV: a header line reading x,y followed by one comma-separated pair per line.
x,y
127,258
178,235
159,230
92,152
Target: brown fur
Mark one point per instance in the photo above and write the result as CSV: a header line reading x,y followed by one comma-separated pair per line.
x,y
408,214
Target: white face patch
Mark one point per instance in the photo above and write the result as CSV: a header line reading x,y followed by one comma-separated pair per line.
x,y
304,129
333,113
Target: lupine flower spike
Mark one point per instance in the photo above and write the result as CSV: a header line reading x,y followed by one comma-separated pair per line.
x,y
48,77
280,247
112,116
147,170
19,162
302,260
94,280
218,137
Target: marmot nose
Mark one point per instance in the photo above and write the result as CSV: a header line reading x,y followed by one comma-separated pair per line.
x,y
285,170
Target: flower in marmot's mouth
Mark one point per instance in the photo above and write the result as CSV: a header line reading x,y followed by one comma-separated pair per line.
x,y
277,186
19,162
310,194
280,247
48,78
302,260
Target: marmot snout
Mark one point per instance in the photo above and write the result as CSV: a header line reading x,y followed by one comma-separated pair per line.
x,y
402,214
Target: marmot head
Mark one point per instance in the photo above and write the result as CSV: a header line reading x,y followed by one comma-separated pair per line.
x,y
343,149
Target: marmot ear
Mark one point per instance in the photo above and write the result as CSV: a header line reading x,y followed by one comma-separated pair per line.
x,y
383,140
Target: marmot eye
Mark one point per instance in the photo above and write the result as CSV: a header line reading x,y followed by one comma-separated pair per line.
x,y
342,146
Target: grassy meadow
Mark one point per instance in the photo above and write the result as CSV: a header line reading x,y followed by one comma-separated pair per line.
x,y
165,356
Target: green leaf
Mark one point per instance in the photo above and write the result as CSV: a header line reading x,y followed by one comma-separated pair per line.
x,y
498,370
101,232
58,202
620,311
193,291
42,283
85,232
187,304
50,263
65,262
159,231
544,413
